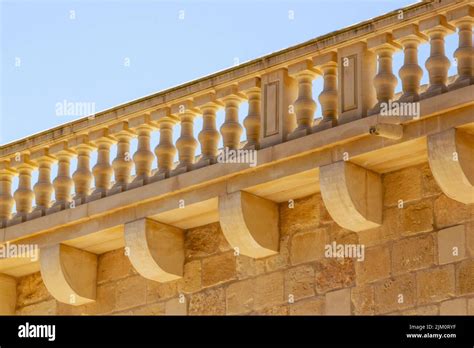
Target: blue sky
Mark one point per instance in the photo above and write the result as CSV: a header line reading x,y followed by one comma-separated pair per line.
x,y
77,51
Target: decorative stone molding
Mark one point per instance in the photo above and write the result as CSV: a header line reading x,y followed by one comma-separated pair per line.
x,y
250,224
122,163
385,81
82,176
7,295
43,188
102,170
437,64
165,150
251,88
69,274
143,157
450,155
352,195
305,106
463,19
410,73
6,202
209,136
231,129
186,143
155,250
328,97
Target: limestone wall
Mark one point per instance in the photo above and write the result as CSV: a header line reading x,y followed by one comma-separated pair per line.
x,y
409,266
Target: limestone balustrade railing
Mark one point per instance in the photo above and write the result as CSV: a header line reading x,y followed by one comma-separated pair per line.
x,y
357,74
356,68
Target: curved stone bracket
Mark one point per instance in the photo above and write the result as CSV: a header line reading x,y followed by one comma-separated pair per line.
x,y
156,250
250,223
7,295
69,274
352,195
451,158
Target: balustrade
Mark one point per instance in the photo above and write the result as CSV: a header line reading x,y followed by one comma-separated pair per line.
x,y
281,106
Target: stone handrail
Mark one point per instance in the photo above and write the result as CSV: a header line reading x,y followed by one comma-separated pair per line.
x,y
278,88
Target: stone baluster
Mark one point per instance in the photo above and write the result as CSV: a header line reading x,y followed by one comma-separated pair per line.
x,y
304,106
385,81
437,64
252,122
209,136
165,151
24,194
410,73
63,182
327,63
143,157
82,177
231,129
123,162
102,171
43,188
463,19
6,199
186,143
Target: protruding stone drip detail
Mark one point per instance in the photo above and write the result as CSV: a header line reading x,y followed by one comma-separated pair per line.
x,y
6,198
385,81
250,224
82,177
43,188
186,143
437,64
122,163
24,195
231,129
7,295
410,73
328,97
102,171
165,151
209,136
69,274
252,122
304,105
155,250
450,155
463,19
352,195
143,157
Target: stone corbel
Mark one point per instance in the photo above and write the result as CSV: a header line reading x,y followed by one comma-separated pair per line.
x,y
7,295
451,154
69,274
156,250
352,195
250,224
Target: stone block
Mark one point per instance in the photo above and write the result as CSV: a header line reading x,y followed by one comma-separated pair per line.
x,y
456,306
376,266
395,294
218,269
451,244
338,302
312,306
299,282
413,253
210,302
331,274
435,285
308,246
240,297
